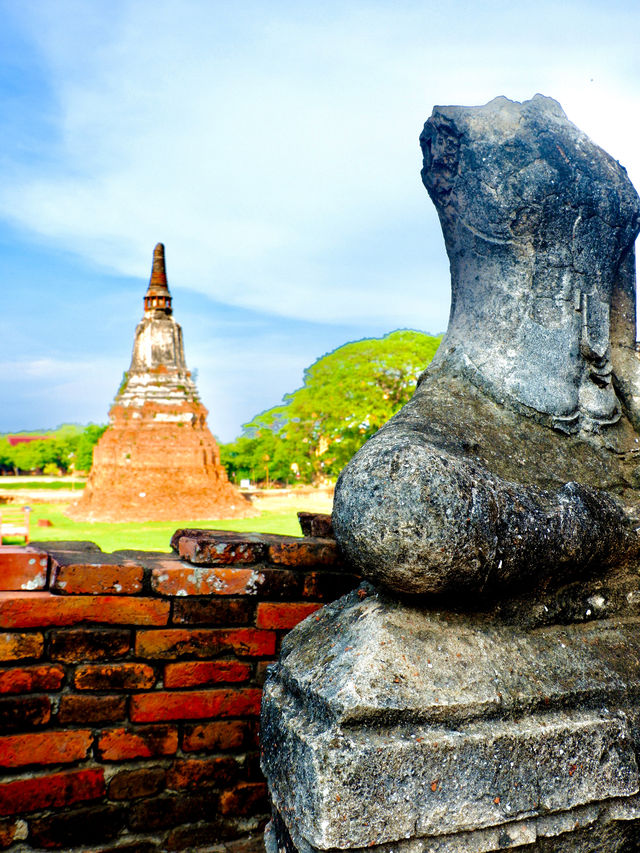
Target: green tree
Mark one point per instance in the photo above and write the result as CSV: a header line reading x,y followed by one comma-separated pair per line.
x,y
346,397
85,444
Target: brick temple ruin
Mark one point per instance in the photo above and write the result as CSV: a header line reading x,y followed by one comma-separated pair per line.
x,y
158,459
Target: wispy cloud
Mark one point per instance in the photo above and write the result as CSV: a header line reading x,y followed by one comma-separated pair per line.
x,y
273,147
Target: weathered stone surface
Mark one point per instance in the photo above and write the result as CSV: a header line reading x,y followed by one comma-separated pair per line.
x,y
158,459
392,723
472,485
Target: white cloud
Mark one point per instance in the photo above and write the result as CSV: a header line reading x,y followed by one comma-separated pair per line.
x,y
267,144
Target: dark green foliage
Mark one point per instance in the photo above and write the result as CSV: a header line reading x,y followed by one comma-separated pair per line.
x,y
68,448
347,396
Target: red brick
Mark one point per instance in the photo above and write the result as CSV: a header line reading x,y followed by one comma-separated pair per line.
x,y
21,646
215,612
114,676
308,551
261,670
29,679
327,586
53,791
283,614
200,580
141,742
52,747
204,643
246,799
132,784
195,705
40,609
217,737
24,712
22,569
219,547
96,579
8,833
193,673
74,645
164,812
69,829
194,773
91,709
316,524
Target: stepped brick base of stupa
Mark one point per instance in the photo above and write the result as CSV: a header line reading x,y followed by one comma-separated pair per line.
x,y
154,465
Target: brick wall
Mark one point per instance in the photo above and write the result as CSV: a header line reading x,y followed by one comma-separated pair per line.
x,y
130,687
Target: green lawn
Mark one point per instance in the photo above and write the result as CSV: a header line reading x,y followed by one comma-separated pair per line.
x,y
5,483
147,535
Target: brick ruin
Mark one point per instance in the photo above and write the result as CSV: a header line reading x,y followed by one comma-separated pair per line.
x,y
158,459
130,687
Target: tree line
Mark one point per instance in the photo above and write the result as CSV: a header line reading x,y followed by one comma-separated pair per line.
x,y
66,449
347,395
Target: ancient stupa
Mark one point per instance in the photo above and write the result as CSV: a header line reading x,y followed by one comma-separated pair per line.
x,y
158,460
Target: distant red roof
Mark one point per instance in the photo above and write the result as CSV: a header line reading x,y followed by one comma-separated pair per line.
x,y
25,439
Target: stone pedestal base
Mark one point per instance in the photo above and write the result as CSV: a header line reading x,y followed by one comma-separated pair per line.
x,y
387,727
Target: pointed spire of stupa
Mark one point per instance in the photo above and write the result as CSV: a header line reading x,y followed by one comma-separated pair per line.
x,y
157,297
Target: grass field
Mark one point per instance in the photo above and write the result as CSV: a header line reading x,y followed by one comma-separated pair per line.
x,y
6,483
278,514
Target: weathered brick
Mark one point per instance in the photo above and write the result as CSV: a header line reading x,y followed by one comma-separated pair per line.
x,y
91,709
193,673
95,578
303,552
144,847
140,742
133,784
20,646
51,747
41,609
44,792
316,524
213,611
218,736
114,676
8,830
30,679
167,811
219,547
251,770
196,773
77,645
204,642
199,837
194,705
262,668
327,586
283,615
66,830
24,712
281,584
202,580
245,799
22,568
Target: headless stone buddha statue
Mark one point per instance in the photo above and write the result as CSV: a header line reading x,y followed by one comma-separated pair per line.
x,y
517,458
480,694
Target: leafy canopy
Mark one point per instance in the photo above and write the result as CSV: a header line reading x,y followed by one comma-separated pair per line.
x,y
346,397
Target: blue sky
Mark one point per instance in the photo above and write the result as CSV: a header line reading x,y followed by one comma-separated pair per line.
x,y
273,148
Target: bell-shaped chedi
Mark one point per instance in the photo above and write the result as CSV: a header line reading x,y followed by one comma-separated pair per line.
x,y
158,460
